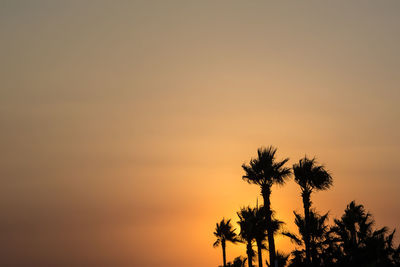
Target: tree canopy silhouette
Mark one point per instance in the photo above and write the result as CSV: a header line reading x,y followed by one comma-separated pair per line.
x,y
247,231
352,240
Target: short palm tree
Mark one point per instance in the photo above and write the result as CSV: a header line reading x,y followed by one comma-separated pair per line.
x,y
319,238
224,233
282,258
247,231
265,171
260,233
311,177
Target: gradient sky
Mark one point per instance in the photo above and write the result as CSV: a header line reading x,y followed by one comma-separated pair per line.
x,y
124,124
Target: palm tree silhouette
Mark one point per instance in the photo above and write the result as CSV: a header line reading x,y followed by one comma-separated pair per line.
x,y
352,241
247,223
318,232
282,258
352,230
265,171
237,262
260,233
311,177
360,244
224,233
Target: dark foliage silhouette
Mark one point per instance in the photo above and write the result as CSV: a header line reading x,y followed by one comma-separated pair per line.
x,y
247,231
311,177
318,234
224,233
360,244
352,240
260,232
265,171
237,262
253,229
281,258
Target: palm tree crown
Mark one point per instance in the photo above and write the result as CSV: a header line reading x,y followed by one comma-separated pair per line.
x,y
311,176
224,232
265,170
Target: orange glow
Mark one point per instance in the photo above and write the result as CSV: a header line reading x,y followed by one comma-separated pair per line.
x,y
124,126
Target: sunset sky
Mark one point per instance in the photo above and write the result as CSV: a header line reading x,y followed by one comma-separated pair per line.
x,y
124,124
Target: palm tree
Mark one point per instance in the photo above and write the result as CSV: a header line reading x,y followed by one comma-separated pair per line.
x,y
354,225
265,171
224,233
247,231
282,258
311,177
360,244
260,232
319,239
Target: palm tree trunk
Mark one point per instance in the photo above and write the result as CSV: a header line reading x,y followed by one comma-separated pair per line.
x,y
223,252
266,193
259,248
307,204
249,255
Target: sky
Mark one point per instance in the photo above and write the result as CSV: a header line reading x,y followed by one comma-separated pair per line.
x,y
124,124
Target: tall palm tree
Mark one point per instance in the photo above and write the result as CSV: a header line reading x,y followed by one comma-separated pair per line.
x,y
247,231
224,233
265,171
311,177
